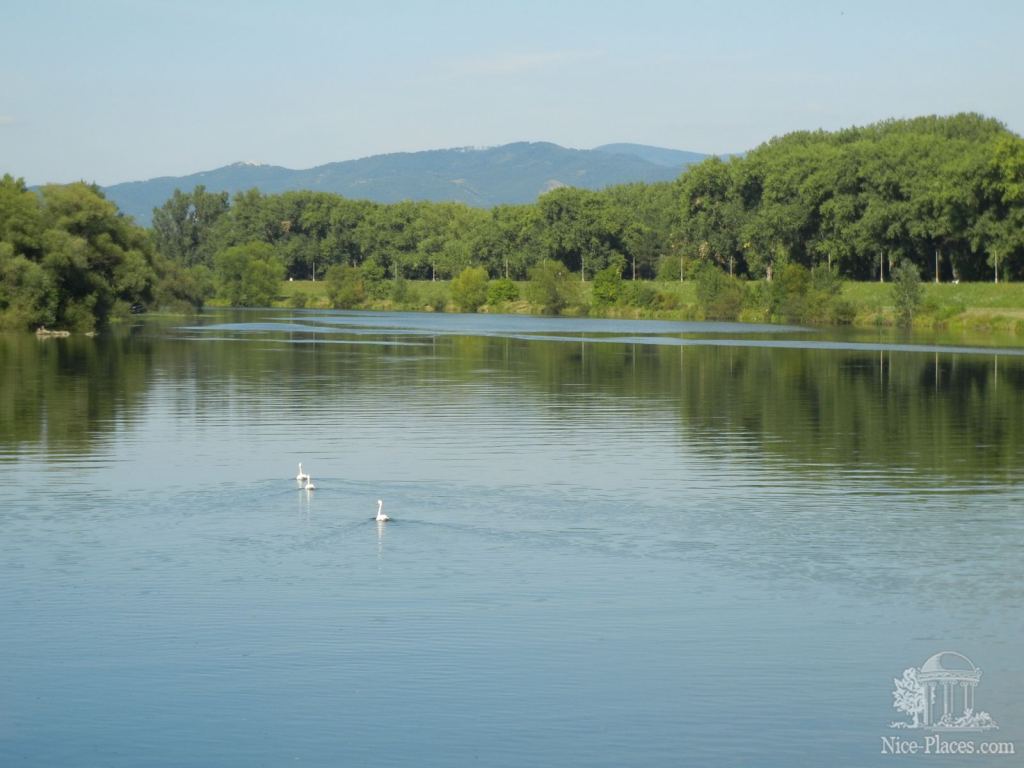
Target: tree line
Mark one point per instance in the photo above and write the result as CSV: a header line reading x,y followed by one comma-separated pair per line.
x,y
944,194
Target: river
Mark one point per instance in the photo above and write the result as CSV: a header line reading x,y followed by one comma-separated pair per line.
x,y
612,543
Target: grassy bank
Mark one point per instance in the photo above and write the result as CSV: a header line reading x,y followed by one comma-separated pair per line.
x,y
967,306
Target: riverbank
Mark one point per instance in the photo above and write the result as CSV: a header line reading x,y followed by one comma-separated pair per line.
x,y
975,307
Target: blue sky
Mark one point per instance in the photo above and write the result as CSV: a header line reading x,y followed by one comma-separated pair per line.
x,y
117,90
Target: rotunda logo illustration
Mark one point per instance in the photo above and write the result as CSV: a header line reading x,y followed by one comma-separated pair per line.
x,y
939,696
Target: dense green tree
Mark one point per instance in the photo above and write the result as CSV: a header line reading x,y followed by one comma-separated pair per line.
x,y
509,241
551,287
712,214
578,230
248,275
21,220
469,289
184,226
28,296
99,262
345,286
183,288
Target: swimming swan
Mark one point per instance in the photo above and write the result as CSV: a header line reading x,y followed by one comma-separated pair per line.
x,y
381,517
309,484
302,477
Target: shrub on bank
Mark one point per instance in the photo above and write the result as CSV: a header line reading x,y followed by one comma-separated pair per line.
x,y
469,289
719,296
346,287
502,291
552,288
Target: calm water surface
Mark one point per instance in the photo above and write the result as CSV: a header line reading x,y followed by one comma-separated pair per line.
x,y
613,544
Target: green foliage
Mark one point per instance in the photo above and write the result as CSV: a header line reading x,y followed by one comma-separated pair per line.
x,y
248,275
68,259
21,218
643,296
799,295
719,296
580,229
400,292
551,287
824,304
671,267
346,287
184,287
375,279
27,293
433,294
788,293
501,291
608,283
469,289
184,227
942,192
906,291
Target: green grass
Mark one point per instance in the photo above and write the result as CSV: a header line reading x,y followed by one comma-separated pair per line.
x,y
985,307
968,306
974,296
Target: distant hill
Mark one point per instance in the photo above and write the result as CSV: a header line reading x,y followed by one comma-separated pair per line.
x,y
513,173
669,158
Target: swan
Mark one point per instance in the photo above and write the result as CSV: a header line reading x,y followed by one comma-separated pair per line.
x,y
309,484
302,477
381,517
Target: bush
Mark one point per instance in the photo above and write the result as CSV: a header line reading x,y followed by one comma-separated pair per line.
x,y
670,268
842,311
822,302
401,292
469,289
638,294
668,301
375,279
608,284
720,296
788,294
551,287
500,291
906,291
346,287
298,300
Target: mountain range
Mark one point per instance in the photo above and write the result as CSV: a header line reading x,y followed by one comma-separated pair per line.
x,y
483,177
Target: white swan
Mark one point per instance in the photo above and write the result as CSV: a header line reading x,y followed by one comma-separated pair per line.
x,y
309,484
381,517
302,477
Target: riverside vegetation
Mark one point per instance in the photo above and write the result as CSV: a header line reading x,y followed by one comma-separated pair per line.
x,y
814,227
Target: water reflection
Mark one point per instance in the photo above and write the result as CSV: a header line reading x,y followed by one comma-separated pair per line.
x,y
951,416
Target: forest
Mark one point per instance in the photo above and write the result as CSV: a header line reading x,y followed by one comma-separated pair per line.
x,y
941,195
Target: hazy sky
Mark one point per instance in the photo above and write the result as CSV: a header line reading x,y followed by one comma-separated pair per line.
x,y
117,90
